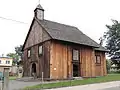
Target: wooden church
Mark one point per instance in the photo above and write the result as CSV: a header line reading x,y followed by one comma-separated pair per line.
x,y
60,51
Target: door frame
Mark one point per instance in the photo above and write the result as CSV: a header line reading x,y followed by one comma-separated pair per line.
x,y
78,65
77,62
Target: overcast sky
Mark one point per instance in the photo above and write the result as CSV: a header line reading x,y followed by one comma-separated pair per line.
x,y
90,16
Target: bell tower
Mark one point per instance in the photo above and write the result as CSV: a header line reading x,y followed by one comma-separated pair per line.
x,y
39,12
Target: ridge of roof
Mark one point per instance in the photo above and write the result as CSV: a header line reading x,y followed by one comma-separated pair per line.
x,y
58,23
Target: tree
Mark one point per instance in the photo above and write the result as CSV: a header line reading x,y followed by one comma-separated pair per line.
x,y
108,65
112,37
18,51
14,56
17,55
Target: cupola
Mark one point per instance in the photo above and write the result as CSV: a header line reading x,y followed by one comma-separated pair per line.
x,y
39,12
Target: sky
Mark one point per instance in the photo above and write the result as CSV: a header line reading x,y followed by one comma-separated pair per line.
x,y
90,16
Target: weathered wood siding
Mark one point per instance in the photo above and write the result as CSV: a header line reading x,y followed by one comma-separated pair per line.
x,y
25,64
100,69
42,62
87,62
61,66
36,35
58,61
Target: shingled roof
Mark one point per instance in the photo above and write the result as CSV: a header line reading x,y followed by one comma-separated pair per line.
x,y
39,7
101,48
67,33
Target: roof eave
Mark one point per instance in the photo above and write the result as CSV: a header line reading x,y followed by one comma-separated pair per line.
x,y
77,43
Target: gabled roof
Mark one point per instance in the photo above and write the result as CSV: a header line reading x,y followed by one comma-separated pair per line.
x,y
67,33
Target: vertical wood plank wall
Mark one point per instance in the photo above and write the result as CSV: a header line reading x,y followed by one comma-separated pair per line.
x,y
42,62
36,35
61,61
101,69
87,62
58,61
25,62
104,64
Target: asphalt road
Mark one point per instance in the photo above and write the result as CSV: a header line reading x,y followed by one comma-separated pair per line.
x,y
15,85
114,88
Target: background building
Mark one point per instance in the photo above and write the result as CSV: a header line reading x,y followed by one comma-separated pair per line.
x,y
5,62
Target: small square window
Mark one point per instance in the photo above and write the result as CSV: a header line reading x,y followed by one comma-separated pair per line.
x,y
40,51
98,59
29,53
75,55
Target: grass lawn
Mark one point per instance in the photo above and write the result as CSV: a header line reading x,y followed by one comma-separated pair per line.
x,y
12,77
108,78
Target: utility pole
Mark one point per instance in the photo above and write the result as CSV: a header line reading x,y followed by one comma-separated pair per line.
x,y
5,79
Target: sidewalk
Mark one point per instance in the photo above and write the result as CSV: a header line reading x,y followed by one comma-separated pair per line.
x,y
97,86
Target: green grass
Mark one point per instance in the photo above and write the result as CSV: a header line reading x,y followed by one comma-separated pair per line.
x,y
12,78
108,78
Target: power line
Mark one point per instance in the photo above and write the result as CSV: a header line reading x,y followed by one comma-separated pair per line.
x,y
13,20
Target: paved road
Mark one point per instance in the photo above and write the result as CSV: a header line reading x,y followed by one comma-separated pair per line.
x,y
15,85
114,88
96,86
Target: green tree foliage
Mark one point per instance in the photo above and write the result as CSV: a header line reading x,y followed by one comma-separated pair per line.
x,y
112,37
14,56
18,51
108,65
17,55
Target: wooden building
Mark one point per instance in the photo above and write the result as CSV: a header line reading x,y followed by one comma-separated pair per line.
x,y
60,51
